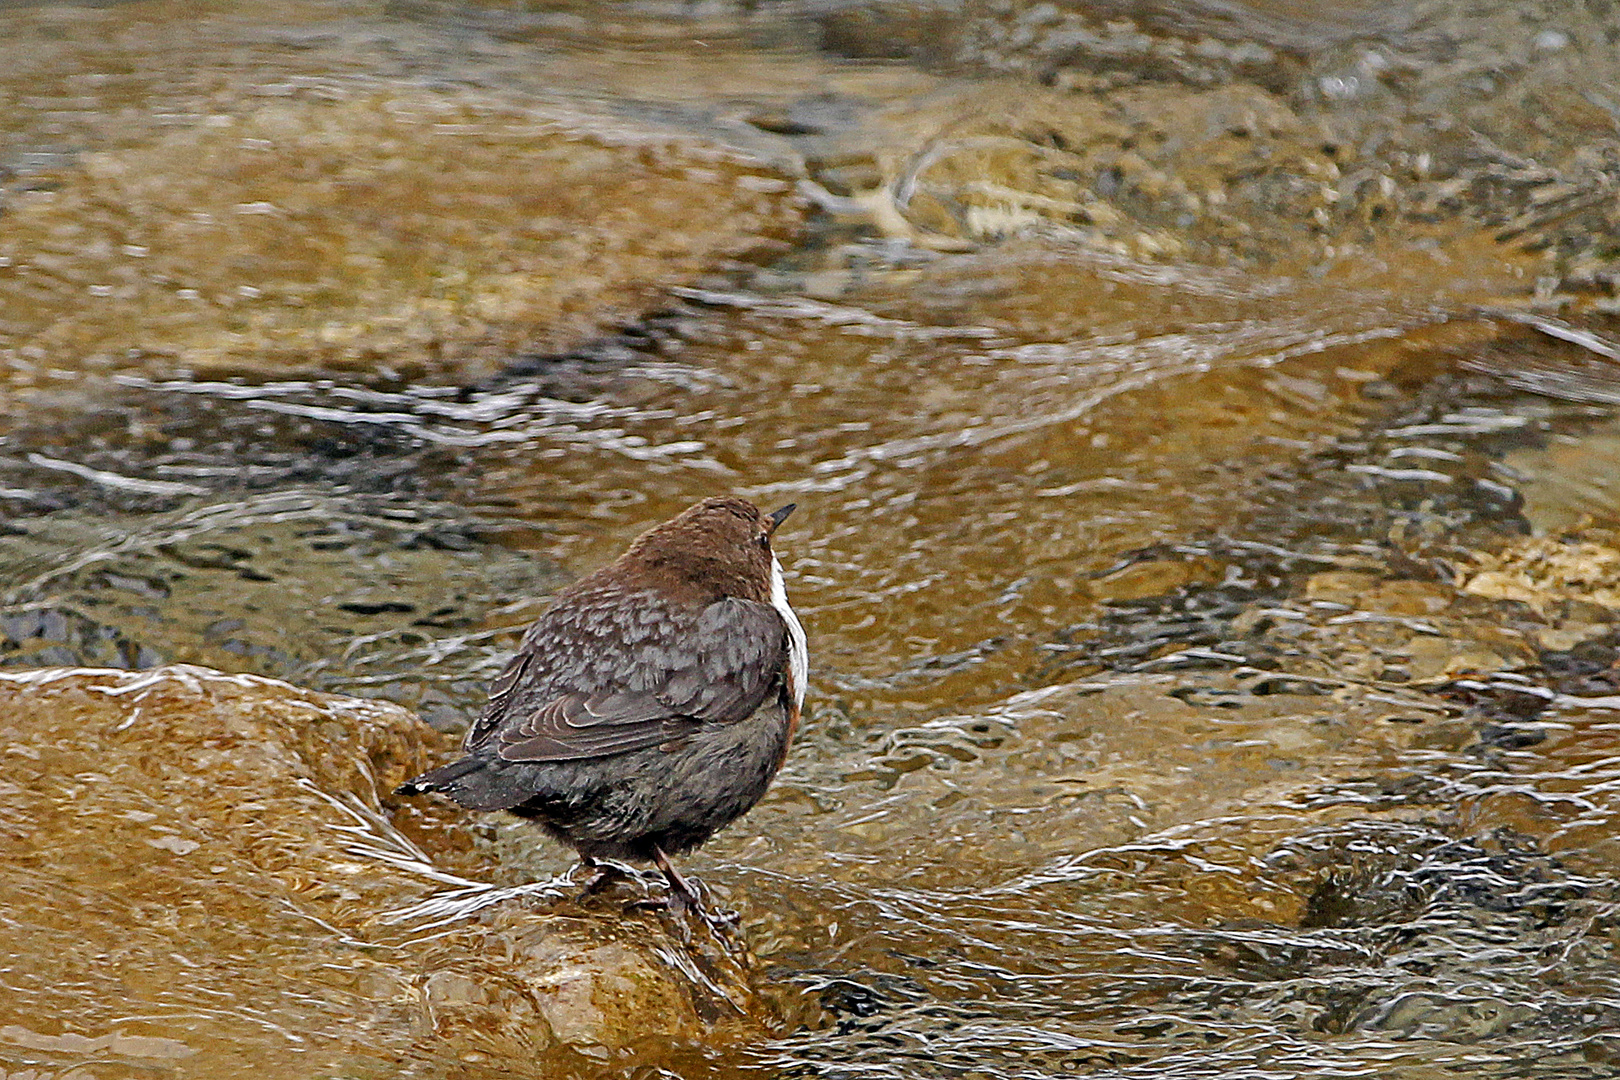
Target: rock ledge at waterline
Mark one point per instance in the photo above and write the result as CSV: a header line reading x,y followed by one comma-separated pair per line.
x,y
197,870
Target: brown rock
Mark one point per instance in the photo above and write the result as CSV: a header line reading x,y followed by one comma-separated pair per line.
x,y
423,230
1548,572
199,867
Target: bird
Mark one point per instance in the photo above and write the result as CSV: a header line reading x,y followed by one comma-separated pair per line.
x,y
652,703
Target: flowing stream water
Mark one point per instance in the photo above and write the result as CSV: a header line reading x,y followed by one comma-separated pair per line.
x,y
1212,602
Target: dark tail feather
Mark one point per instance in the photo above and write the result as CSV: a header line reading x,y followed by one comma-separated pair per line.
x,y
476,783
439,779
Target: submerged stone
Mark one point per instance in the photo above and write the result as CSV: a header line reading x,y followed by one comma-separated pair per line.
x,y
336,211
1547,572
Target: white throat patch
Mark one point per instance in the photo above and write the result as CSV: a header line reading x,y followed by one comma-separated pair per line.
x,y
798,649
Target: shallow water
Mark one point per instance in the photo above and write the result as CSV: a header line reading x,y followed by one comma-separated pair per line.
x,y
1188,695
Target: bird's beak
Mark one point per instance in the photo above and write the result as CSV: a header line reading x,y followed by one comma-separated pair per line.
x,y
778,517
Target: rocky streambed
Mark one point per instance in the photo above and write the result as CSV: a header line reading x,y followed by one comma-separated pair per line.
x,y
1203,426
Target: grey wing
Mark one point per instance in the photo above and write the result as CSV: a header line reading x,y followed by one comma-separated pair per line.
x,y
581,647
739,650
500,696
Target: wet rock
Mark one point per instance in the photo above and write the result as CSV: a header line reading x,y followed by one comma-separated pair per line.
x,y
1549,573
1566,639
402,223
1150,172
1340,586
1431,657
1157,577
903,31
1263,135
210,872
1590,668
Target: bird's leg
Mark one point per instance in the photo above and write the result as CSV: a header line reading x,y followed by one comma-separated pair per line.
x,y
680,890
683,895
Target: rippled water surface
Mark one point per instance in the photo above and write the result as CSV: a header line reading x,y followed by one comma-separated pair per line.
x,y
1207,531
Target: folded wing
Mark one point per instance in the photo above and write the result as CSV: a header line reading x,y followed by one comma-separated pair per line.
x,y
726,665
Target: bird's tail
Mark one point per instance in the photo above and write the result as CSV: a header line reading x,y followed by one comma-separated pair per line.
x,y
441,779
476,783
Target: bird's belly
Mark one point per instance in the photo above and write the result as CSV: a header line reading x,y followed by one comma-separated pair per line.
x,y
674,797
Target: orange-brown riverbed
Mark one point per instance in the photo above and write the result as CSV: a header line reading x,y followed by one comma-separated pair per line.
x,y
1202,419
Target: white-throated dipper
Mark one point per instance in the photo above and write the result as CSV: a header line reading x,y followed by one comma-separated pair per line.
x,y
653,702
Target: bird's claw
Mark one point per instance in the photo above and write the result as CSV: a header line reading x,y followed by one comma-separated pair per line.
x,y
720,924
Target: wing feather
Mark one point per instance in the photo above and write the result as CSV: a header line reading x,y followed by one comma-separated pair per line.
x,y
718,668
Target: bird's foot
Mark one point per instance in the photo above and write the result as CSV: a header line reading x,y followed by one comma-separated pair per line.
x,y
685,898
723,926
602,875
